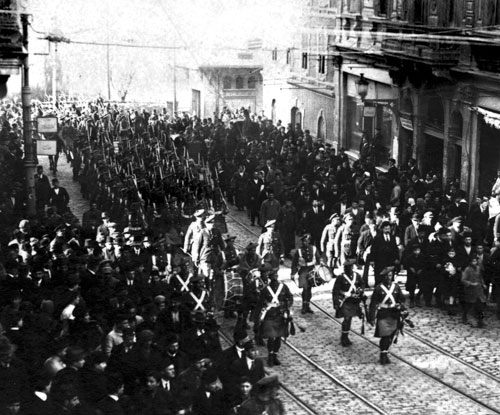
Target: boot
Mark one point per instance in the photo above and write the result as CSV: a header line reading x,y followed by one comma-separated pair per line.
x,y
276,361
308,309
417,302
480,324
259,340
270,359
412,303
464,319
384,359
304,310
344,339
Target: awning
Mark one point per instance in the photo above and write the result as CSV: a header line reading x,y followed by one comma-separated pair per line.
x,y
491,118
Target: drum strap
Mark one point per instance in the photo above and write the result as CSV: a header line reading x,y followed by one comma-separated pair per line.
x,y
352,284
199,301
184,284
309,264
389,294
276,294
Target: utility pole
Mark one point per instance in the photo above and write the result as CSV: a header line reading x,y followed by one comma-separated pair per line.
x,y
54,76
174,106
29,159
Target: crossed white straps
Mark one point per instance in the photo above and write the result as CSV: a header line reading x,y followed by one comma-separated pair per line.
x,y
389,294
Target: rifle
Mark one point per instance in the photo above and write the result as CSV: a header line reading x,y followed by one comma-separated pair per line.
x,y
403,319
365,314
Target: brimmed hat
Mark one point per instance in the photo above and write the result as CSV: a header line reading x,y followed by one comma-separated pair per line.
x,y
305,236
229,238
267,382
145,335
348,262
74,354
199,213
386,270
333,216
210,219
209,376
251,245
269,223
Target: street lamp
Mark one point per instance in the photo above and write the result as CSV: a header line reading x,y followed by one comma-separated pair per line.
x,y
362,87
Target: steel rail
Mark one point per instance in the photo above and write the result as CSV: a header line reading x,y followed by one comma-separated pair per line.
x,y
402,359
285,388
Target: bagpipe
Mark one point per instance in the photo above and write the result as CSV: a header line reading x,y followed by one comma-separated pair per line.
x,y
403,320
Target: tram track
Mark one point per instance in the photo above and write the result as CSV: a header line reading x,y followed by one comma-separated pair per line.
x,y
482,400
286,389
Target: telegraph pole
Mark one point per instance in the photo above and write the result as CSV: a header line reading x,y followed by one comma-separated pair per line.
x,y
29,157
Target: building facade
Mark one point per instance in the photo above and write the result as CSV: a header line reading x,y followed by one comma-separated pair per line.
x,y
432,72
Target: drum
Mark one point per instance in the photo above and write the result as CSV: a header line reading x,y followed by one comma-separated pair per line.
x,y
228,291
320,275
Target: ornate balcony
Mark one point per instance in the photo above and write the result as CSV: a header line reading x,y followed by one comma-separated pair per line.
x,y
11,37
417,44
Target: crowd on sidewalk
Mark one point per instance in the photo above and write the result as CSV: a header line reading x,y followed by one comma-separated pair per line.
x,y
115,312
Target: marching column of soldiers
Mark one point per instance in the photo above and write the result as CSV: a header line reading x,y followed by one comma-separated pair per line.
x,y
118,314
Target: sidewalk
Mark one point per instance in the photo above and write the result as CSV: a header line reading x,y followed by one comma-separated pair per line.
x,y
64,174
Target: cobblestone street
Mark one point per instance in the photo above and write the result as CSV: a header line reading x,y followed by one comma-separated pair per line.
x,y
358,365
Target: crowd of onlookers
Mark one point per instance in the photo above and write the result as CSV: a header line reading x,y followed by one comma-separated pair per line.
x,y
93,311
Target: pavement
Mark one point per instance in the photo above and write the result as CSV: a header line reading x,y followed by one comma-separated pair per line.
x,y
397,388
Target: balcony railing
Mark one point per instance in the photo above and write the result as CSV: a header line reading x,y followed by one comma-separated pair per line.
x,y
424,51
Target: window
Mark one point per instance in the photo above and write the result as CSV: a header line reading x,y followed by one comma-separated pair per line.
x,y
288,56
275,54
381,7
304,60
239,82
252,82
322,64
227,82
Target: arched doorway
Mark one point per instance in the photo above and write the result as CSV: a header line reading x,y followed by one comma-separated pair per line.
x,y
296,117
455,133
433,137
321,133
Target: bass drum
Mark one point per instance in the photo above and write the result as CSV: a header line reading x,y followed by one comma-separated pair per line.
x,y
321,275
228,291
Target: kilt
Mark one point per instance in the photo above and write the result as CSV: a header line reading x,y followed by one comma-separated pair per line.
x,y
274,324
350,308
387,322
304,274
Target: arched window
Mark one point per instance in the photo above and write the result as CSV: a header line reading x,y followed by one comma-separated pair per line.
x,y
252,82
239,82
321,128
456,124
435,111
227,82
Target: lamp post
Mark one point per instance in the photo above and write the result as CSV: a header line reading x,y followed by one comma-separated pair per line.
x,y
362,88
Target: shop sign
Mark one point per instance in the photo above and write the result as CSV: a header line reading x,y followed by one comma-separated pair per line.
x,y
46,125
406,123
369,112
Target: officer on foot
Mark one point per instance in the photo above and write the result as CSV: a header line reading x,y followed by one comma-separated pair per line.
x,y
303,262
347,296
386,306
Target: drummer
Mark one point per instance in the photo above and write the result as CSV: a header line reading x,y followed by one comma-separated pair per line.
x,y
230,255
304,260
347,296
386,306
